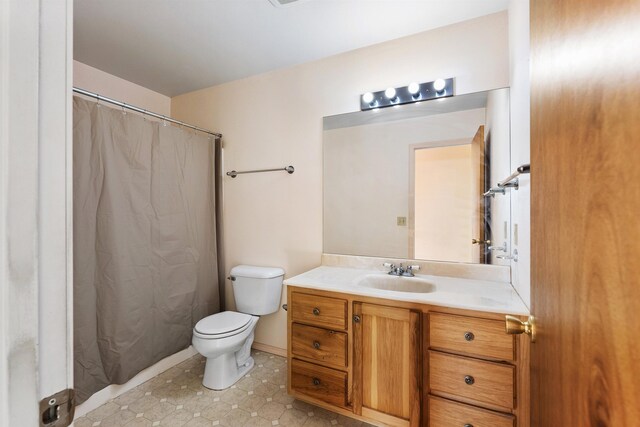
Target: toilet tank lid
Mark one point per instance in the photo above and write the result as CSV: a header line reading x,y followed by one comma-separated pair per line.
x,y
255,272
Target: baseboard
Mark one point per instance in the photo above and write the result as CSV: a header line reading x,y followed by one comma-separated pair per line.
x,y
111,392
269,349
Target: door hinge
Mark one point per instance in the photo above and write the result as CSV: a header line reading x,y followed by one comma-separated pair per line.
x,y
58,410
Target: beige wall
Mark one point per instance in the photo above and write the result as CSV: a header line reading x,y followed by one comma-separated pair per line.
x,y
275,119
97,81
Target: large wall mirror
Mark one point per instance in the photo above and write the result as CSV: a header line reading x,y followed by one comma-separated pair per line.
x,y
408,181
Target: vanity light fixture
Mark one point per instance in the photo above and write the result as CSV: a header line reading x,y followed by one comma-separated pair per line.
x,y
414,89
414,92
390,93
368,99
439,85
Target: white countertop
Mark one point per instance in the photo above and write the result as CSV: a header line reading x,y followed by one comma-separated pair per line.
x,y
468,294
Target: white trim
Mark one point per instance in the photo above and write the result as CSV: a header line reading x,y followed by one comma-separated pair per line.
x,y
55,200
111,392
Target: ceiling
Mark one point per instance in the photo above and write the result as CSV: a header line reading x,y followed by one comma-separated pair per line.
x,y
177,46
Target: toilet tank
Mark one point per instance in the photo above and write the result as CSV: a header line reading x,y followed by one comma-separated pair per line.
x,y
257,290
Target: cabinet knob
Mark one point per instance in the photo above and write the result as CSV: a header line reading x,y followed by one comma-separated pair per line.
x,y
316,311
469,336
316,381
469,380
468,425
316,345
356,318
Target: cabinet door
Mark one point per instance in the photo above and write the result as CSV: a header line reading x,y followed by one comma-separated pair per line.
x,y
387,369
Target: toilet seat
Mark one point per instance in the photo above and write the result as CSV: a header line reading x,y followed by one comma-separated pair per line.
x,y
222,325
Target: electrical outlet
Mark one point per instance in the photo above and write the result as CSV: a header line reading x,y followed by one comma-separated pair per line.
x,y
402,221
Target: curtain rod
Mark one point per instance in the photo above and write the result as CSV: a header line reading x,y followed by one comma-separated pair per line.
x,y
143,111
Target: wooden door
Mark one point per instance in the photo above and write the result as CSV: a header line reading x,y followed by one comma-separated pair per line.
x,y
479,187
386,376
585,201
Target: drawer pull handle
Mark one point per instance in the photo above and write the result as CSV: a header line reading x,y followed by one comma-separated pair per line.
x,y
469,336
316,381
316,345
316,311
468,425
469,380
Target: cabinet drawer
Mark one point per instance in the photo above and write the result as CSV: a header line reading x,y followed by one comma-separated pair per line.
x,y
470,335
319,382
319,311
482,382
445,413
325,346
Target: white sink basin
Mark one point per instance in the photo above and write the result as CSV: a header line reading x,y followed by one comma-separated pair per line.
x,y
388,282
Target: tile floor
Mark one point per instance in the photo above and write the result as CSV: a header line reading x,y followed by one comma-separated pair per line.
x,y
177,398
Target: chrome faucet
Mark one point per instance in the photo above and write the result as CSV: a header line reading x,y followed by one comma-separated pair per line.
x,y
400,270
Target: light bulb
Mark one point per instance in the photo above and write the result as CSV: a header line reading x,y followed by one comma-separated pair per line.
x,y
414,88
390,93
367,97
439,85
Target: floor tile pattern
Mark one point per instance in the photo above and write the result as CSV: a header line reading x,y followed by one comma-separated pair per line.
x,y
177,398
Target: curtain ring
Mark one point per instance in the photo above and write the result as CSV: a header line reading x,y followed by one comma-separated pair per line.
x,y
144,115
124,105
97,100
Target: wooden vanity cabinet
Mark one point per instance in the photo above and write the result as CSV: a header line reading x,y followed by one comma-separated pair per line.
x,y
319,349
386,361
394,363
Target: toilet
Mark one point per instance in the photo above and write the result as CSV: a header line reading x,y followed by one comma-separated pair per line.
x,y
225,338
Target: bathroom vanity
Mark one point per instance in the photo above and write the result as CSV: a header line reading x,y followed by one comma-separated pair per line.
x,y
435,353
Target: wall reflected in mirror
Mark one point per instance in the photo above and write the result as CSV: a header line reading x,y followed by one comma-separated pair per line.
x,y
408,181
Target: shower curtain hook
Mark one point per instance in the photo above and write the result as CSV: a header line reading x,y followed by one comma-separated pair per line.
x,y
124,105
144,115
164,121
97,100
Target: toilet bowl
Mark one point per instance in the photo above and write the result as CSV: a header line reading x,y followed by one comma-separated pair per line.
x,y
225,338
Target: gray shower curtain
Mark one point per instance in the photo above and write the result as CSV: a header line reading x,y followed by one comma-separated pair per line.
x,y
146,247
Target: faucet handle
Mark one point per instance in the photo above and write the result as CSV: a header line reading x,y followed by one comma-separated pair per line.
x,y
408,272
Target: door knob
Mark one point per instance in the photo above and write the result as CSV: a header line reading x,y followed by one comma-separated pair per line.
x,y
515,326
480,242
